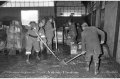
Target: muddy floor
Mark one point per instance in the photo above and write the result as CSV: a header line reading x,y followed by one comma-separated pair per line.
x,y
15,67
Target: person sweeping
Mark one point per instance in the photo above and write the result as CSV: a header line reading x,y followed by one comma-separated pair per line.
x,y
91,44
32,41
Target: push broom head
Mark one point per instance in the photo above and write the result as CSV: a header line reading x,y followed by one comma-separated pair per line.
x,y
63,63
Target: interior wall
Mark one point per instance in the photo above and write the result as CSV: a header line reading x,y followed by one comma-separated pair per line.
x,y
8,13
118,47
117,42
110,23
61,21
97,23
102,18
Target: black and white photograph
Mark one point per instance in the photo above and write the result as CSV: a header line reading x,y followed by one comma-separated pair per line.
x,y
59,39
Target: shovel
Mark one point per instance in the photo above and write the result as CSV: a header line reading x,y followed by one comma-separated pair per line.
x,y
65,63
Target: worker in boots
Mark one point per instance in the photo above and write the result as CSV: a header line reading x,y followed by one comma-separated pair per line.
x,y
91,44
32,41
49,30
72,33
43,37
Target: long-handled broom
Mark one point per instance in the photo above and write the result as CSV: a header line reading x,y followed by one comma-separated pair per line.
x,y
56,42
46,45
65,63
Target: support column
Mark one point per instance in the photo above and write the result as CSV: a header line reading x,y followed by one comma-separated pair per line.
x,y
98,14
116,52
111,26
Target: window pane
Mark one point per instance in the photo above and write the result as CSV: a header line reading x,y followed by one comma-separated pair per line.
x,y
45,3
4,5
40,3
8,4
13,4
22,4
31,4
17,4
58,8
51,3
26,4
72,8
36,4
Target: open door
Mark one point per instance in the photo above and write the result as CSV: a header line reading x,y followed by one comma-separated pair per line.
x,y
29,15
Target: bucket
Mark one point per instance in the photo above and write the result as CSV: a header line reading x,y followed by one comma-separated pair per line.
x,y
74,49
79,45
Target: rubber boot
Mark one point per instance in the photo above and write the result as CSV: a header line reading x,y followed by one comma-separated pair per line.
x,y
96,68
88,66
28,58
37,56
42,55
45,54
48,51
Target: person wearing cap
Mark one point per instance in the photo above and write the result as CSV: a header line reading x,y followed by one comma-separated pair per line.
x,y
72,31
18,35
49,30
32,40
42,35
79,31
91,44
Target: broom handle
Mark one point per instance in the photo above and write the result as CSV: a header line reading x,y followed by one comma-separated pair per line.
x,y
74,57
46,45
55,34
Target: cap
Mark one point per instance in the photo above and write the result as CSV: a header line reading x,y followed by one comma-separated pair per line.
x,y
84,24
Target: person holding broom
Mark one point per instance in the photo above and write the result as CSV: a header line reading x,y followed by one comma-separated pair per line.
x,y
32,41
91,44
49,32
43,37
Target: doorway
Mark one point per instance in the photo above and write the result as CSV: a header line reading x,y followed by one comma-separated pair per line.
x,y
29,15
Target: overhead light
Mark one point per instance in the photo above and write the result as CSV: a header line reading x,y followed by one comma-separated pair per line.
x,y
69,14
77,15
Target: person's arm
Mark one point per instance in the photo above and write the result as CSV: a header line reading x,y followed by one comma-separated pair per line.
x,y
100,32
27,35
